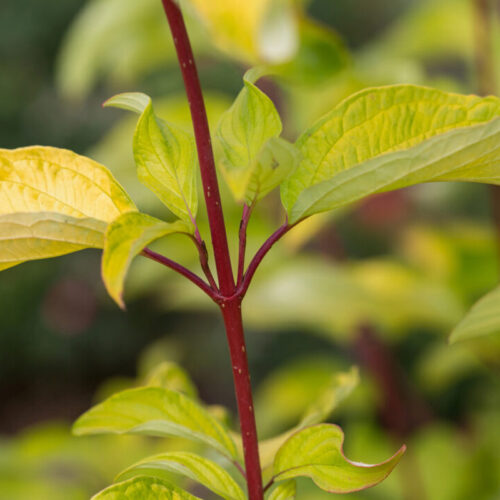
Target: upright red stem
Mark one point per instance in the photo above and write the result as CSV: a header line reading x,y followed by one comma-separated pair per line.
x,y
204,146
228,300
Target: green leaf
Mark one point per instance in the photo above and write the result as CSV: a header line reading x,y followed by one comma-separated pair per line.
x,y
165,156
192,466
126,237
243,130
482,320
144,488
284,491
156,411
316,452
171,376
391,137
53,202
41,235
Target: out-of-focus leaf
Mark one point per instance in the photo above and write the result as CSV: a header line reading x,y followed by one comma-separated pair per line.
x,y
144,488
316,452
165,156
257,31
284,491
171,376
423,135
482,320
243,130
195,467
126,237
156,411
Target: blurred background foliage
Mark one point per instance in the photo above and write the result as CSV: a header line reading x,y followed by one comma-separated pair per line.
x,y
379,285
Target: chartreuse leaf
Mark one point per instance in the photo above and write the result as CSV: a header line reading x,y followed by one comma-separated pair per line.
x,y
53,202
243,130
316,452
144,488
257,31
284,491
156,411
165,155
192,466
482,320
126,237
338,388
391,137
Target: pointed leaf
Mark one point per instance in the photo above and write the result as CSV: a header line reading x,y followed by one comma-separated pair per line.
x,y
126,238
45,179
284,491
388,138
144,488
242,132
155,411
195,467
482,320
165,155
316,452
41,235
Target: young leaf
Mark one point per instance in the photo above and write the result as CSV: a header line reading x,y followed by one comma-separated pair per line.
x,y
45,179
392,137
165,156
192,466
41,235
242,132
126,237
284,491
155,411
316,452
144,488
482,320
171,376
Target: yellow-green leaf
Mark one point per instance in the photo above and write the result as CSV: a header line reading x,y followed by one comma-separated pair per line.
x,y
144,488
41,235
126,238
165,155
53,202
256,31
156,411
391,137
316,452
482,320
171,376
192,466
243,130
284,491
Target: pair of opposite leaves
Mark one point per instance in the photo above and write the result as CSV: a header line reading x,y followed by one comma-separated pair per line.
x,y
54,202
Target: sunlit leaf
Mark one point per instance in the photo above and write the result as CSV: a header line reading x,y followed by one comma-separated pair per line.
x,y
284,491
482,320
126,237
144,488
257,31
155,411
391,137
316,452
165,155
53,202
171,376
192,466
243,131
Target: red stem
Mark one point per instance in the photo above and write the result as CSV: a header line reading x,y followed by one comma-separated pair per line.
x,y
229,302
204,146
231,312
247,212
